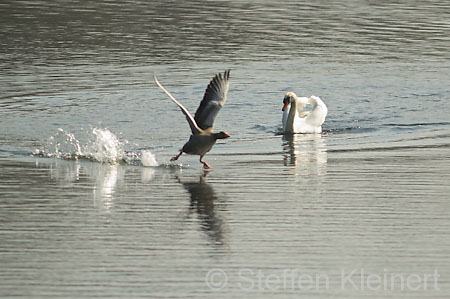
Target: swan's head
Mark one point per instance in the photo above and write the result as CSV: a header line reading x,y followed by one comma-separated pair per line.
x,y
221,135
289,97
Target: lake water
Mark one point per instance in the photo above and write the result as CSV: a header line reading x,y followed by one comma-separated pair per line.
x,y
91,206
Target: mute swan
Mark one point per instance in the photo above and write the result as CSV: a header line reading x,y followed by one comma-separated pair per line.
x,y
203,137
297,121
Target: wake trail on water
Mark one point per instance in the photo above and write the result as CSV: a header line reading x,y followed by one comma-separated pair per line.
x,y
97,145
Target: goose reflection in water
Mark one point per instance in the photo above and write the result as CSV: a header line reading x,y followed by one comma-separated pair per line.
x,y
203,201
305,151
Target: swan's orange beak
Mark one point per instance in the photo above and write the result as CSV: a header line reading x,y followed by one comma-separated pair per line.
x,y
285,106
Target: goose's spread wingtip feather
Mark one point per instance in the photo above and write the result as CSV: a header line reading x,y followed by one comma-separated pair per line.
x,y
192,124
213,100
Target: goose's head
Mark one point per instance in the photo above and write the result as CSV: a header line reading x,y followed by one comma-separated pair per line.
x,y
221,135
289,97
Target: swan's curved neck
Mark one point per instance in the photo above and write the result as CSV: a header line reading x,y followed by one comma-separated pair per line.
x,y
289,128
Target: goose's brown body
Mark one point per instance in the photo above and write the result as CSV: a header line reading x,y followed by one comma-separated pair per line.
x,y
200,144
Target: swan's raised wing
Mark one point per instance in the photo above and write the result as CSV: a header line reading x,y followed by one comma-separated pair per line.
x,y
301,105
192,124
213,100
302,114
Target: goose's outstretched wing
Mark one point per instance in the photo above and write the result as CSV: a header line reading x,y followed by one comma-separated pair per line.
x,y
213,100
192,124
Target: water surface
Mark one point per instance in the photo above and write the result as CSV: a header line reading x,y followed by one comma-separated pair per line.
x,y
91,206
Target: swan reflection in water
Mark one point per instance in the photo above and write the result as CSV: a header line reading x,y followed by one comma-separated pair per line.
x,y
307,152
203,201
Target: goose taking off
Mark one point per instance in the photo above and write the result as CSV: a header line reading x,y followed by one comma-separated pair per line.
x,y
297,121
203,137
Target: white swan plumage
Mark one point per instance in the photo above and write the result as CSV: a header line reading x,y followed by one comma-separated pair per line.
x,y
297,121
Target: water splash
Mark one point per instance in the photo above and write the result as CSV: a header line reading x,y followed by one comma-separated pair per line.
x,y
148,158
63,145
106,147
98,145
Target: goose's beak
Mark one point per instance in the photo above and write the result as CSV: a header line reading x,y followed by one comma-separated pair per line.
x,y
285,106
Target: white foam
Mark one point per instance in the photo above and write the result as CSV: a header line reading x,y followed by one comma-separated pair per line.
x,y
106,147
148,158
100,145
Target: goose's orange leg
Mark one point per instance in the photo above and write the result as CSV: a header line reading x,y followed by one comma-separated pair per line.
x,y
205,165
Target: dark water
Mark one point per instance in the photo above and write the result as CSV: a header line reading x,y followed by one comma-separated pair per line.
x,y
90,205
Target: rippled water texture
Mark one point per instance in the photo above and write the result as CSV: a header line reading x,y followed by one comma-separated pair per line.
x,y
91,206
